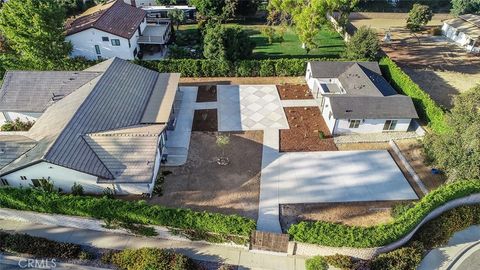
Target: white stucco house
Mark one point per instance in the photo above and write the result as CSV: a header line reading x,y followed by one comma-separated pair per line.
x,y
464,30
116,29
355,98
107,128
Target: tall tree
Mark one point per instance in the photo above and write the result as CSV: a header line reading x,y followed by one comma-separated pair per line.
x,y
221,43
363,45
458,150
306,16
34,31
344,8
177,16
219,9
418,17
213,47
460,7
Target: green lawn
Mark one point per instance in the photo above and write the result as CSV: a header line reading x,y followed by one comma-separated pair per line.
x,y
330,43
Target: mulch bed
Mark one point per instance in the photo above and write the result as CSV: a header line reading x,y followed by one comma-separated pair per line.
x,y
306,124
205,120
207,93
294,91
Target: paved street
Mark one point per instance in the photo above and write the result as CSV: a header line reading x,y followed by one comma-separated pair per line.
x,y
462,252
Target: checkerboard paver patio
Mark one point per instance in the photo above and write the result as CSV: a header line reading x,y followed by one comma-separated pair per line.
x,y
250,107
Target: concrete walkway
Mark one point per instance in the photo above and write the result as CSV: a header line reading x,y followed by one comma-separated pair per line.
x,y
178,140
452,255
196,250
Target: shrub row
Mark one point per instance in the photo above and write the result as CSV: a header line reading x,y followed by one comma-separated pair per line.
x,y
427,108
38,246
149,258
125,211
338,235
244,68
433,234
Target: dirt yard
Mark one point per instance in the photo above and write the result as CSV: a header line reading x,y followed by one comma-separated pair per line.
x,y
294,91
306,126
205,120
207,93
354,213
443,86
439,66
202,184
413,151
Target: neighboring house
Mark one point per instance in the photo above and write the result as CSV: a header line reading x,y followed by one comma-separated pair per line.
x,y
156,11
355,98
108,132
116,29
464,30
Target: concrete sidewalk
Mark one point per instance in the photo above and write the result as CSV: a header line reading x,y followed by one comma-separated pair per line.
x,y
196,250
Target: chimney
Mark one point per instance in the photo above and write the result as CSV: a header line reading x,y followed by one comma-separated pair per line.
x,y
133,3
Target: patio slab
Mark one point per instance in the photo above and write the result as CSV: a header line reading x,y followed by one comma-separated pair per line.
x,y
249,107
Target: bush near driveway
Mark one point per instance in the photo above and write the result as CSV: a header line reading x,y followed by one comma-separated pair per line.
x,y
316,263
338,235
125,211
427,108
38,246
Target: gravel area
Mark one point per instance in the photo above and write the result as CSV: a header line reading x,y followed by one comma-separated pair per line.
x,y
374,137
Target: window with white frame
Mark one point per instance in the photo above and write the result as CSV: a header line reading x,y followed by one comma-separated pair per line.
x,y
115,42
354,123
390,125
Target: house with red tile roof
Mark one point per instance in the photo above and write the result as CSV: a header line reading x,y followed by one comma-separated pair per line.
x,y
116,29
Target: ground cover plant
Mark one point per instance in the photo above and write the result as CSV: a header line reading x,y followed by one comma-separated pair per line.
x,y
38,246
228,227
149,258
433,234
330,234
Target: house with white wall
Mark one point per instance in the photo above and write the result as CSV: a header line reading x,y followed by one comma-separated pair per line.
x,y
115,29
107,133
464,30
355,98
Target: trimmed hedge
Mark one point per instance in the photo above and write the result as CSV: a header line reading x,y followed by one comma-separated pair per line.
x,y
244,68
149,258
427,108
125,211
339,235
38,246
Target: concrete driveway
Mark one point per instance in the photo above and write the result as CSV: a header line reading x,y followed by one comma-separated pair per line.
x,y
316,177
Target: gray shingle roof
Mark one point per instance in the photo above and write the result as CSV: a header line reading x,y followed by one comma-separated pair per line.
x,y
99,123
331,69
34,91
372,107
358,80
367,94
